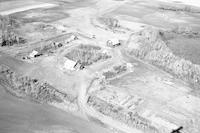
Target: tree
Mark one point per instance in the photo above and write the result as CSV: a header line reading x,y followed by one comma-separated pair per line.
x,y
8,36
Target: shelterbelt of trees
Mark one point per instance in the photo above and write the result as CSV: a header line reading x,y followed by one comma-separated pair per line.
x,y
8,24
26,87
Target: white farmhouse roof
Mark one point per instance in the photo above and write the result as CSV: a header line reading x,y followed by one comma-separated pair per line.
x,y
33,53
69,64
114,41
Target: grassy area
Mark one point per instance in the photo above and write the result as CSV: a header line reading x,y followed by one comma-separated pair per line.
x,y
186,48
41,15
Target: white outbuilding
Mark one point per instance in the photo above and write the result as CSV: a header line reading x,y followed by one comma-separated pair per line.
x,y
69,64
113,42
33,54
71,38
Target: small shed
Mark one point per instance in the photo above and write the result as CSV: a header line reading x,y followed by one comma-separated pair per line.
x,y
71,38
33,54
69,64
113,42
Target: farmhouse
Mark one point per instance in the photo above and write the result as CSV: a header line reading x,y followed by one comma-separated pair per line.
x,y
69,64
113,42
71,38
33,54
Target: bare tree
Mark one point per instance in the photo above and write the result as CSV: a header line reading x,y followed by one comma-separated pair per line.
x,y
7,25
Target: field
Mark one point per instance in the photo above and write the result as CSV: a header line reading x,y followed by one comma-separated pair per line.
x,y
22,6
186,48
41,15
150,13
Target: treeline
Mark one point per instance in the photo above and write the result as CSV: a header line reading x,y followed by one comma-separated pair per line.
x,y
180,8
131,119
26,87
8,36
115,71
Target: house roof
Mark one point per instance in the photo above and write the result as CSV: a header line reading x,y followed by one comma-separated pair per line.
x,y
69,64
33,53
114,41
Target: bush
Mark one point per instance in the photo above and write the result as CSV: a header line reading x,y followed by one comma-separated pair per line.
x,y
110,22
117,70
